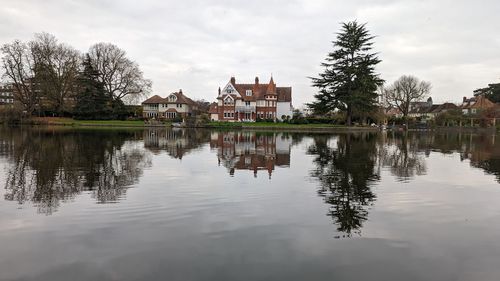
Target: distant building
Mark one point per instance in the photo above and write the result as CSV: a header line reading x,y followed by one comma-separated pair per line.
x,y
6,95
392,112
429,110
214,112
475,104
249,102
174,105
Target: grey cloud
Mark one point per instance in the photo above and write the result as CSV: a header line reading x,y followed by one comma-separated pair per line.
x,y
197,45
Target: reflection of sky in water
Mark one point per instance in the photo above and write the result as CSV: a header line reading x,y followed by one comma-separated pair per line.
x,y
187,218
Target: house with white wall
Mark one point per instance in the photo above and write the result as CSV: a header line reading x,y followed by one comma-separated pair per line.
x,y
174,105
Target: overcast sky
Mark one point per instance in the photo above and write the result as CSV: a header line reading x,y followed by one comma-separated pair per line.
x,y
196,45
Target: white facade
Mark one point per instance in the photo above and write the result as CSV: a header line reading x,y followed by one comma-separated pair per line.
x,y
284,108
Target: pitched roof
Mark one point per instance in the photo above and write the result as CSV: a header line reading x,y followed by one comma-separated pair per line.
x,y
422,109
260,90
284,94
154,99
181,98
443,107
480,102
213,108
435,108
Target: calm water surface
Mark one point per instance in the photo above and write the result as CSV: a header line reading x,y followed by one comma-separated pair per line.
x,y
237,205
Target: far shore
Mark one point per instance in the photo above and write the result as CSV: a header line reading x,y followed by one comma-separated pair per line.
x,y
70,122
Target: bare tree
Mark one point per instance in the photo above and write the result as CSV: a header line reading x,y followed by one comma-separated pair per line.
x,y
404,91
57,70
19,67
122,78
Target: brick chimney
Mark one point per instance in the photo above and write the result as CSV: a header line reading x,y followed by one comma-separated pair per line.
x,y
219,91
233,80
256,80
465,99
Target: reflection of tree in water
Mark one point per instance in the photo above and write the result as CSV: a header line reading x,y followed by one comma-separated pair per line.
x,y
482,151
403,155
345,173
52,166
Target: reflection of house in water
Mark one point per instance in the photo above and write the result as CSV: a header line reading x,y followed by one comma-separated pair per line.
x,y
176,142
251,151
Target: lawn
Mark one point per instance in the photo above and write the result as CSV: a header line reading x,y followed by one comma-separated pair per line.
x,y
73,122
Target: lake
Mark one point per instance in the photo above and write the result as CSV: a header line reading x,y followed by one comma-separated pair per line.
x,y
174,204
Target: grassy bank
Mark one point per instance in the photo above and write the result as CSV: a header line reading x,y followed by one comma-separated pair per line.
x,y
91,123
70,122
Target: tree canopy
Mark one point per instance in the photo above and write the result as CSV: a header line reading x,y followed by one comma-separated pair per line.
x,y
91,100
48,77
349,82
404,91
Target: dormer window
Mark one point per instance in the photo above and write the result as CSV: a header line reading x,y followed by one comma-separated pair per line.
x,y
172,98
248,93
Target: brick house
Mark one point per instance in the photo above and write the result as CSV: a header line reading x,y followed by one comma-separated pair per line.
x,y
173,106
249,102
475,104
214,111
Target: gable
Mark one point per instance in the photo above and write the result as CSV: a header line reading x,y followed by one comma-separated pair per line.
x,y
229,89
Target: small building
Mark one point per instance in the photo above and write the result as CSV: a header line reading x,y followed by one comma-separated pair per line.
x,y
173,106
250,102
475,104
214,112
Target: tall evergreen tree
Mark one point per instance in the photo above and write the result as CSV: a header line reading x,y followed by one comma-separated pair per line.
x,y
492,92
349,82
92,101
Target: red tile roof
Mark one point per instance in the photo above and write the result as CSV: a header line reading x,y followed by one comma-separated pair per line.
x,y
181,99
260,90
479,102
213,108
154,99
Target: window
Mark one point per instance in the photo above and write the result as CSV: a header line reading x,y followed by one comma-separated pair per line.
x,y
228,101
247,103
249,93
172,98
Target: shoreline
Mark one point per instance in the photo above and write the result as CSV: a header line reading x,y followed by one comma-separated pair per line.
x,y
68,122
